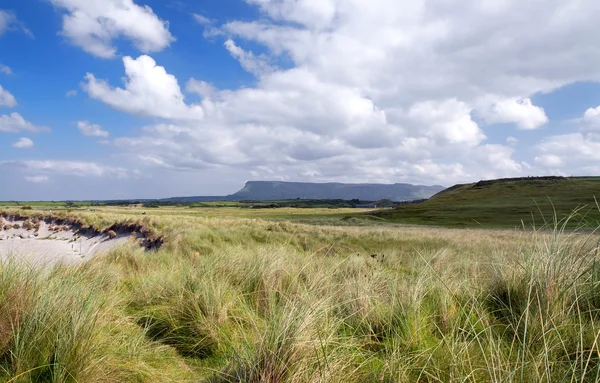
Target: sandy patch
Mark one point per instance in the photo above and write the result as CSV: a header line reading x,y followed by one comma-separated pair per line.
x,y
41,243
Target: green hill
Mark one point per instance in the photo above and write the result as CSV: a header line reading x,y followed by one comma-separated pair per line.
x,y
506,203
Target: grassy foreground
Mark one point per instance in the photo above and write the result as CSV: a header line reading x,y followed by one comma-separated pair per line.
x,y
230,299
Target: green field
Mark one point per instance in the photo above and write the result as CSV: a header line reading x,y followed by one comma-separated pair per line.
x,y
240,295
507,203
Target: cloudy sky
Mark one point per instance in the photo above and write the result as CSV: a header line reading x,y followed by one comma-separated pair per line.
x,y
103,99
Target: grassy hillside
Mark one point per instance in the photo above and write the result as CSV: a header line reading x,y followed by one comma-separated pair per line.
x,y
506,203
231,300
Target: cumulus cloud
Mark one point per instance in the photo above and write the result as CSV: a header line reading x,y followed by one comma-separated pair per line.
x,y
449,121
6,98
574,151
521,112
149,91
23,143
93,26
370,91
91,130
9,21
15,123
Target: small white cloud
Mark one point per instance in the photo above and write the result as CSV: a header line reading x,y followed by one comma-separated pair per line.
x,y
71,93
91,130
37,179
10,22
512,140
5,69
15,123
201,19
7,99
93,27
5,20
23,143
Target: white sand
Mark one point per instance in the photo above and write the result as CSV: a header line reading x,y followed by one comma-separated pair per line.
x,y
52,247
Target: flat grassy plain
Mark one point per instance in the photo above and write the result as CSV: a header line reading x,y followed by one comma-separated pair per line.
x,y
250,296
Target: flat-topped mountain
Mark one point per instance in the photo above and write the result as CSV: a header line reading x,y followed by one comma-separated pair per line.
x,y
276,190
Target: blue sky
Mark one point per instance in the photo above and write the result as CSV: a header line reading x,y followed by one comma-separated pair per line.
x,y
142,99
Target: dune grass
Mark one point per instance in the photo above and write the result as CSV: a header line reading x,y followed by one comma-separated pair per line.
x,y
247,300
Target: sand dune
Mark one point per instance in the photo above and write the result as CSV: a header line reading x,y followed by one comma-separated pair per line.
x,y
50,244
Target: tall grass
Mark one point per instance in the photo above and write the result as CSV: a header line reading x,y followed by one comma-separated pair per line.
x,y
234,300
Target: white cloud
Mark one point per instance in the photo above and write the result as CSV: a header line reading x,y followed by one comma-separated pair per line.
x,y
370,91
512,140
5,20
6,98
521,112
23,143
5,69
91,130
591,119
201,19
252,64
449,121
93,26
15,123
149,91
312,13
550,161
575,151
37,179
201,88
66,168
9,21
71,93
578,151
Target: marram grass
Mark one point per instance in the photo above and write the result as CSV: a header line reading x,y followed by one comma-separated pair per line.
x,y
245,300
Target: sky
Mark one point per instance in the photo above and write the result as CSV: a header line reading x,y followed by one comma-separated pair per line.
x,y
117,99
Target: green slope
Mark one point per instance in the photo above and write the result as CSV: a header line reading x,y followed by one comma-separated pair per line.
x,y
506,203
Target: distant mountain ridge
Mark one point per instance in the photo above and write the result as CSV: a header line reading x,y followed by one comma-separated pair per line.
x,y
279,190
